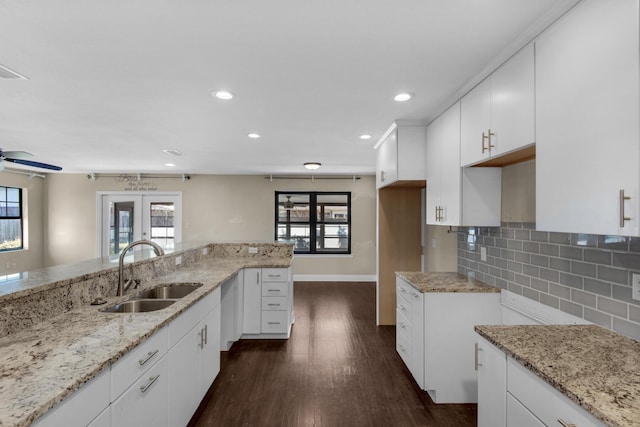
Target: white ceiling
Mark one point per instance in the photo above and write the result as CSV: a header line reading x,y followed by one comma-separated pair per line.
x,y
113,83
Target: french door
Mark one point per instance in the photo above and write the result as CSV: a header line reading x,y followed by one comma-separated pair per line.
x,y
126,217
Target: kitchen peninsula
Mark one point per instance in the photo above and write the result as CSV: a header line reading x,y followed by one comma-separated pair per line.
x,y
66,342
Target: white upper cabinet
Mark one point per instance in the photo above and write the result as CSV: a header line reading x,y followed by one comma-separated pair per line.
x,y
498,114
400,157
457,196
587,121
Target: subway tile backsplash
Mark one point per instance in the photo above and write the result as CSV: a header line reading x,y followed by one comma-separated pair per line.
x,y
583,274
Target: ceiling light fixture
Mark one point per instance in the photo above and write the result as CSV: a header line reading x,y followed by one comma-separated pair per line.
x,y
401,97
365,136
173,152
222,94
254,135
169,164
312,165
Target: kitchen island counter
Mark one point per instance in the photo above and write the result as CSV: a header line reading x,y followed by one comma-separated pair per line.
x,y
445,282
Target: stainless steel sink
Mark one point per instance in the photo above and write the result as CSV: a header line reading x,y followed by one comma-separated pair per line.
x,y
140,306
172,291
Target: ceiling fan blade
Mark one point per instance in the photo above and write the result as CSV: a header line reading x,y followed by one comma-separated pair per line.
x,y
34,164
16,154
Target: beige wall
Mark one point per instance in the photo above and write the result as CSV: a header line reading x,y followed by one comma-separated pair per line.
x,y
215,208
16,261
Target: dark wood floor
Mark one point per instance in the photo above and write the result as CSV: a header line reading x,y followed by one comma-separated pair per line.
x,y
337,369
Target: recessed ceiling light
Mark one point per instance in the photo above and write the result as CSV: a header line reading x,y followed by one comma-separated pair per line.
x,y
173,152
221,94
401,97
253,136
312,165
169,164
365,136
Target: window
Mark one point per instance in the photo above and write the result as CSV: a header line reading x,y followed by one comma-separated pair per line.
x,y
10,219
327,214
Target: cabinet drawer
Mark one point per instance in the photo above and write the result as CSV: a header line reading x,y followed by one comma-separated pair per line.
x,y
274,289
544,401
403,325
275,274
274,303
407,291
275,322
403,304
403,347
518,415
135,363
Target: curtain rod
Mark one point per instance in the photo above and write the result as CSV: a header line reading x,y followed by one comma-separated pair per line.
x,y
134,176
312,177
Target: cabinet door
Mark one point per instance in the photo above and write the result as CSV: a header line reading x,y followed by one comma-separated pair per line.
x,y
492,384
512,103
387,161
450,184
475,120
252,301
145,402
184,377
518,415
210,354
587,118
433,170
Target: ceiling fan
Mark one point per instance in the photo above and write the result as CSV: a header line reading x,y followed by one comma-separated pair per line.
x,y
19,157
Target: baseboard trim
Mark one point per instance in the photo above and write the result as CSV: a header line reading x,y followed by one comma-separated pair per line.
x,y
334,278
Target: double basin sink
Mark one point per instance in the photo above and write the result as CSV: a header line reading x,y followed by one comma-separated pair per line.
x,y
154,299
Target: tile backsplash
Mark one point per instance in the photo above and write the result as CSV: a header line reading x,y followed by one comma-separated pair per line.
x,y
586,275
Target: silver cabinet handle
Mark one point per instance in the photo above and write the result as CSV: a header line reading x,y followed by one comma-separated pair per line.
x,y
477,352
273,290
273,305
152,380
381,176
201,335
273,323
257,277
149,356
623,218
416,296
565,424
206,334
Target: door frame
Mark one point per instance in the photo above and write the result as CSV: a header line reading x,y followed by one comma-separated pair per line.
x,y
102,210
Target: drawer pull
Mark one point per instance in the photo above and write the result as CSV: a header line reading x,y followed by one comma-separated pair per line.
x,y
273,305
152,380
273,290
623,217
477,352
403,308
416,296
403,290
273,323
149,356
206,335
402,325
565,424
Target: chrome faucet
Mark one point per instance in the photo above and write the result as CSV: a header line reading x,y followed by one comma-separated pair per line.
x,y
122,287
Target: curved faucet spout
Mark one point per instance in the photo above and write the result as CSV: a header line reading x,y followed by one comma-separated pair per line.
x,y
157,249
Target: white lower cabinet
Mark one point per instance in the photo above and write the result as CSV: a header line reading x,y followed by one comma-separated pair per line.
x,y
194,359
491,364
268,303
81,407
434,337
102,420
511,395
146,401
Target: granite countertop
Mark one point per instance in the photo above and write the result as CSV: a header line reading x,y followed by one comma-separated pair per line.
x,y
593,366
44,364
445,282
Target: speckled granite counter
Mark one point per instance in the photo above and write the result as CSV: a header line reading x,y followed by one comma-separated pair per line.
x,y
596,368
445,282
43,364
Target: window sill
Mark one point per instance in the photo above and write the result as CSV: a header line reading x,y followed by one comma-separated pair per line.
x,y
323,255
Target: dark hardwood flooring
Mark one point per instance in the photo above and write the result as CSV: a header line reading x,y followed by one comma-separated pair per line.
x,y
337,369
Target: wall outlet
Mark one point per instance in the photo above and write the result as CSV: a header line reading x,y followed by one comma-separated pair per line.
x,y
205,251
483,253
178,260
635,286
253,250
